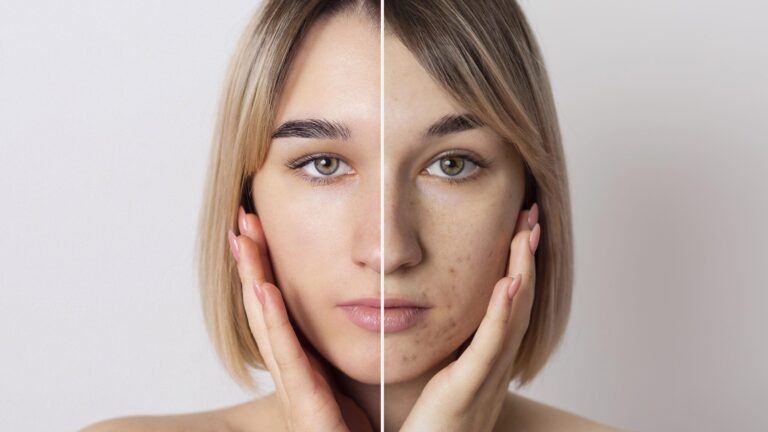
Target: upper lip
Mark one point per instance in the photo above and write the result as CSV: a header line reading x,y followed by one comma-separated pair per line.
x,y
391,302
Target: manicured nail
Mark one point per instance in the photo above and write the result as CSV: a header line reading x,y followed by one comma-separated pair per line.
x,y
534,239
241,218
259,292
514,285
533,215
233,246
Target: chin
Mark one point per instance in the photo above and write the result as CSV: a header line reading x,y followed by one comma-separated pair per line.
x,y
360,361
407,365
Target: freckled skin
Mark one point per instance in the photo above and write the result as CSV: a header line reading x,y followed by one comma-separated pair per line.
x,y
445,244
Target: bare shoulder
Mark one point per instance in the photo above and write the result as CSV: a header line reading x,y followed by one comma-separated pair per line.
x,y
521,413
252,416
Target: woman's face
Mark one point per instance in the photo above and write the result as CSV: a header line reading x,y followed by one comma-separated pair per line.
x,y
445,242
322,219
452,194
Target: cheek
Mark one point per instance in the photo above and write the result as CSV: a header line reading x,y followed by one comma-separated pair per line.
x,y
470,250
304,232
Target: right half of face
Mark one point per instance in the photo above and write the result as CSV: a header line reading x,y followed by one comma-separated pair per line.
x,y
452,192
318,192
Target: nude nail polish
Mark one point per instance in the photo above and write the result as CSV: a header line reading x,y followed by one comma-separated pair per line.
x,y
514,285
242,220
534,239
233,245
259,292
533,215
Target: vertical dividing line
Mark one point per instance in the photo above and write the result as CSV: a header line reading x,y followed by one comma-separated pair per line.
x,y
381,214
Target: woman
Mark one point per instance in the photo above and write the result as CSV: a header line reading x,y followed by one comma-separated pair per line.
x,y
476,248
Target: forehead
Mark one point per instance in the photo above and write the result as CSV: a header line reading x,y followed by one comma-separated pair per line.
x,y
335,74
412,98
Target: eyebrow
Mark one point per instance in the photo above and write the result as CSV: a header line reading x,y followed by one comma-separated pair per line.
x,y
312,128
453,123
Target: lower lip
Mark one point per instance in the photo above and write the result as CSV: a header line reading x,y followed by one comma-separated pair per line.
x,y
395,318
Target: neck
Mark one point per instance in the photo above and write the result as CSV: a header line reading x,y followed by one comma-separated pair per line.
x,y
399,397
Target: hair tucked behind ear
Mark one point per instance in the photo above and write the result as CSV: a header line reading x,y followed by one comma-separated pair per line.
x,y
484,54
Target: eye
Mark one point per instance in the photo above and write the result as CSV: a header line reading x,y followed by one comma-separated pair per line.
x,y
453,166
320,168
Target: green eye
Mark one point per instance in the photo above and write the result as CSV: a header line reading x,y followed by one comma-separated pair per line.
x,y
326,165
452,165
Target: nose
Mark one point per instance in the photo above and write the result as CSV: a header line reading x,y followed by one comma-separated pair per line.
x,y
366,239
402,249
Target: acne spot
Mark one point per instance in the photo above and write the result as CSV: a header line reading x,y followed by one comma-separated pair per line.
x,y
451,323
451,270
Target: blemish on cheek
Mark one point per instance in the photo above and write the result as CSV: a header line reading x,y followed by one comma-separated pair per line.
x,y
451,270
451,323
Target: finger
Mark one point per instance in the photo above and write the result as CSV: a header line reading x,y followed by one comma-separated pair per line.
x,y
294,367
476,362
250,270
523,262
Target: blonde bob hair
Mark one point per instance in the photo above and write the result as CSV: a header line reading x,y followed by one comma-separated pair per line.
x,y
483,53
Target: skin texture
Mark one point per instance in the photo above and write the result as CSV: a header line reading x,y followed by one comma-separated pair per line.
x,y
446,244
324,239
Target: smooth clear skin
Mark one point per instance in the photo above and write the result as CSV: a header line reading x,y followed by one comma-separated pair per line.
x,y
323,230
446,243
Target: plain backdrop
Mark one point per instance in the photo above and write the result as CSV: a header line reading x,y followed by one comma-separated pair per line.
x,y
106,115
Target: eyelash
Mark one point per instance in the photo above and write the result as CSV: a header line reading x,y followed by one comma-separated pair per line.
x,y
302,161
482,164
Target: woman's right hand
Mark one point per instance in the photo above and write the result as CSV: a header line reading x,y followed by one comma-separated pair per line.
x,y
309,401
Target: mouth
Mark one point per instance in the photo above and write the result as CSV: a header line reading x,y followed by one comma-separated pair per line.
x,y
399,314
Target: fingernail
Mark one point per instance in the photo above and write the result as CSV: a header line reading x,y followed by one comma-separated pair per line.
x,y
534,239
259,292
533,215
241,218
233,246
514,285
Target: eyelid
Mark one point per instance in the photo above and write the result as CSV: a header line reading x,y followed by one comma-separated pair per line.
x,y
469,156
297,164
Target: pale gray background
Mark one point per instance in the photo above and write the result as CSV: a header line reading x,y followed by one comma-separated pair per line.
x,y
106,111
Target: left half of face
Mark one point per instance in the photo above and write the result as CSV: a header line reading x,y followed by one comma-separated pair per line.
x,y
318,193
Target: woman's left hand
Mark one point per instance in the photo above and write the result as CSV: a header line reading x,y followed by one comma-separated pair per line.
x,y
468,394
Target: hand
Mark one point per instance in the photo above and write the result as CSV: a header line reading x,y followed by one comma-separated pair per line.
x,y
468,394
308,398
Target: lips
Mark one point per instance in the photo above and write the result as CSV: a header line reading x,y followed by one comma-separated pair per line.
x,y
399,314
